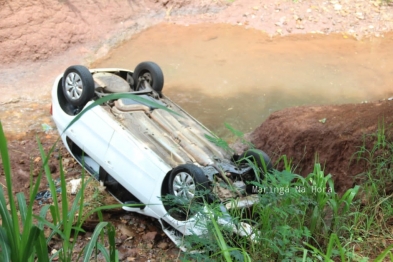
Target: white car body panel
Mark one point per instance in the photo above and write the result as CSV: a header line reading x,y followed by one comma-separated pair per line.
x,y
139,150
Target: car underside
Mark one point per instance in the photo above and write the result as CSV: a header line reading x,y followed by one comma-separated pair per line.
x,y
143,147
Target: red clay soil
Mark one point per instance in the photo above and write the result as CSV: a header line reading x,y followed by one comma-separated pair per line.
x,y
32,30
331,134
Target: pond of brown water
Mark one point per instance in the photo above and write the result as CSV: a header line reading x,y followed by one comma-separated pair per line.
x,y
224,73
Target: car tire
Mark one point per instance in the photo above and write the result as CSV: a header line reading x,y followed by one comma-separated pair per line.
x,y
260,158
78,85
186,180
150,72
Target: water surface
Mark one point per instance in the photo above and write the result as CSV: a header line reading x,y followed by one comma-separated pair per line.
x,y
224,73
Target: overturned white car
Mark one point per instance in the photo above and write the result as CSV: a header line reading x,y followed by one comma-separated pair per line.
x,y
144,147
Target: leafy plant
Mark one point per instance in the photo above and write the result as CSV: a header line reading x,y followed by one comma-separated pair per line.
x,y
21,240
18,243
291,221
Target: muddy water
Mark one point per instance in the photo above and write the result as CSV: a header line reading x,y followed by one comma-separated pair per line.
x,y
225,73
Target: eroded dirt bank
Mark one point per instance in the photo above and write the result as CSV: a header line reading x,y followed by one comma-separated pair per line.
x,y
331,134
37,30
38,39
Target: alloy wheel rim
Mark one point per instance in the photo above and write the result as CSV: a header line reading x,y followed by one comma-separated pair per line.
x,y
74,86
184,185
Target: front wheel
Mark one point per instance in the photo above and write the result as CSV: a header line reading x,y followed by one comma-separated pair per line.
x,y
258,160
78,85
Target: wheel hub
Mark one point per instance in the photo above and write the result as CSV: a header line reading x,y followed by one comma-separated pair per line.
x,y
184,185
74,86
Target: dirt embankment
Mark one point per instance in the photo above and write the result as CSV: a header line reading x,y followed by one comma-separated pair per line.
x,y
39,29
331,135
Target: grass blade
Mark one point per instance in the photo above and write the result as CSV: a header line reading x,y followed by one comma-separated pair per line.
x,y
5,254
10,222
41,248
92,244
22,207
107,98
48,175
104,252
112,243
31,240
384,254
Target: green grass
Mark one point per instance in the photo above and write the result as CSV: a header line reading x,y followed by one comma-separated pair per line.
x,y
21,239
304,219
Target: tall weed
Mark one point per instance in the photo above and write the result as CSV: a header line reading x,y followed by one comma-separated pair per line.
x,y
296,217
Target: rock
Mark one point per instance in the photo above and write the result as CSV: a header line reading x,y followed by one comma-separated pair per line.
x,y
126,217
134,252
125,230
118,240
52,168
36,171
163,245
149,236
337,7
124,253
22,173
360,16
73,186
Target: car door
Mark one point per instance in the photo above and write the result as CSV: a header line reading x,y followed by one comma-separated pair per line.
x,y
135,166
92,133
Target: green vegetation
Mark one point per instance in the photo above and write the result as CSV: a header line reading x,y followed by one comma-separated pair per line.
x,y
296,218
22,240
304,219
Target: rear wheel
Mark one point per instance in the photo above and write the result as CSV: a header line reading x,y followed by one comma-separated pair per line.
x,y
186,180
78,85
187,184
149,72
